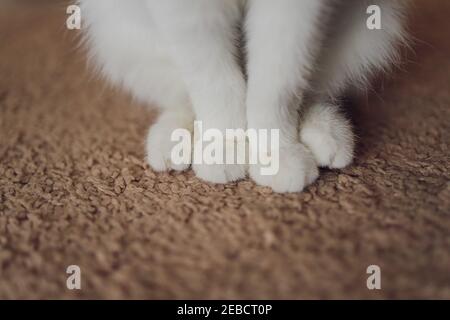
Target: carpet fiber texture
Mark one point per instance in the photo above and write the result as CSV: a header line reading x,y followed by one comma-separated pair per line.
x,y
75,190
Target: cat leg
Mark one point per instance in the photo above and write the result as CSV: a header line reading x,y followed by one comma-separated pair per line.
x,y
281,50
200,38
156,80
351,54
124,45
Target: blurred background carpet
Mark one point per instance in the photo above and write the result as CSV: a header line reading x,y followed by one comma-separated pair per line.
x,y
74,188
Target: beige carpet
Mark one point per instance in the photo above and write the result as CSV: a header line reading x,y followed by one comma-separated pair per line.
x,y
74,188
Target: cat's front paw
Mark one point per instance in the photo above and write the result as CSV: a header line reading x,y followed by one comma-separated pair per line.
x,y
221,171
329,136
160,148
296,170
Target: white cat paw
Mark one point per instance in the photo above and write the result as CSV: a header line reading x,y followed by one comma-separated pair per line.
x,y
219,173
329,136
297,169
159,148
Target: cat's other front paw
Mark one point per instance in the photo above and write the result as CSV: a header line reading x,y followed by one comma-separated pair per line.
x,y
329,136
219,171
296,170
159,147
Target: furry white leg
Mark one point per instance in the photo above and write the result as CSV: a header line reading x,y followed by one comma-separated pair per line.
x,y
279,65
352,52
328,134
202,44
159,144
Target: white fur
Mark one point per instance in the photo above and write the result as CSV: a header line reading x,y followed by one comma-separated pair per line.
x,y
182,55
328,134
